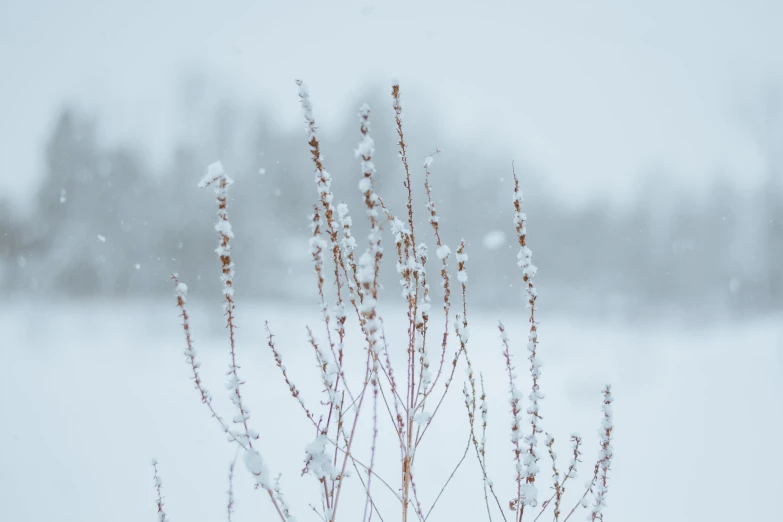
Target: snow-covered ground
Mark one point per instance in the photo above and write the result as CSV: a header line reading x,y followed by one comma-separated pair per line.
x,y
90,393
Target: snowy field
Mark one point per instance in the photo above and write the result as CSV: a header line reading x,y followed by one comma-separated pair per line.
x,y
90,393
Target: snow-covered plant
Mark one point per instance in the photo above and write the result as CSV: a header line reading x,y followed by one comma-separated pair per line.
x,y
158,482
412,400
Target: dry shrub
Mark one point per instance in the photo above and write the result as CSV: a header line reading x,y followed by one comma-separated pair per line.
x,y
412,400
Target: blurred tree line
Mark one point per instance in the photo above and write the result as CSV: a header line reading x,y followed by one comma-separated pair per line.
x,y
106,223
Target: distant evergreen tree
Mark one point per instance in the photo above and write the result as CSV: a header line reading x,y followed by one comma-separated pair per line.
x,y
104,224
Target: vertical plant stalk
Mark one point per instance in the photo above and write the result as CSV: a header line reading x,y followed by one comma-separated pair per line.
x,y
605,456
515,398
323,181
403,154
530,459
158,489
481,453
181,292
443,252
576,442
599,483
230,505
219,180
411,421
550,441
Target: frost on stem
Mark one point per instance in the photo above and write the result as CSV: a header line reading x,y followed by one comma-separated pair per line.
x,y
158,489
230,505
462,275
278,494
423,307
366,276
369,262
481,453
318,462
407,266
181,292
515,400
291,386
549,443
348,244
484,408
365,151
571,473
461,324
442,252
258,469
531,457
317,247
323,181
327,366
463,333
367,280
605,455
219,180
402,152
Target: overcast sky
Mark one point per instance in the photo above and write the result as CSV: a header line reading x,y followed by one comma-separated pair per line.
x,y
593,92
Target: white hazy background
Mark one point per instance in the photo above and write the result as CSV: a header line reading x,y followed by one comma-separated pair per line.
x,y
593,90
590,95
